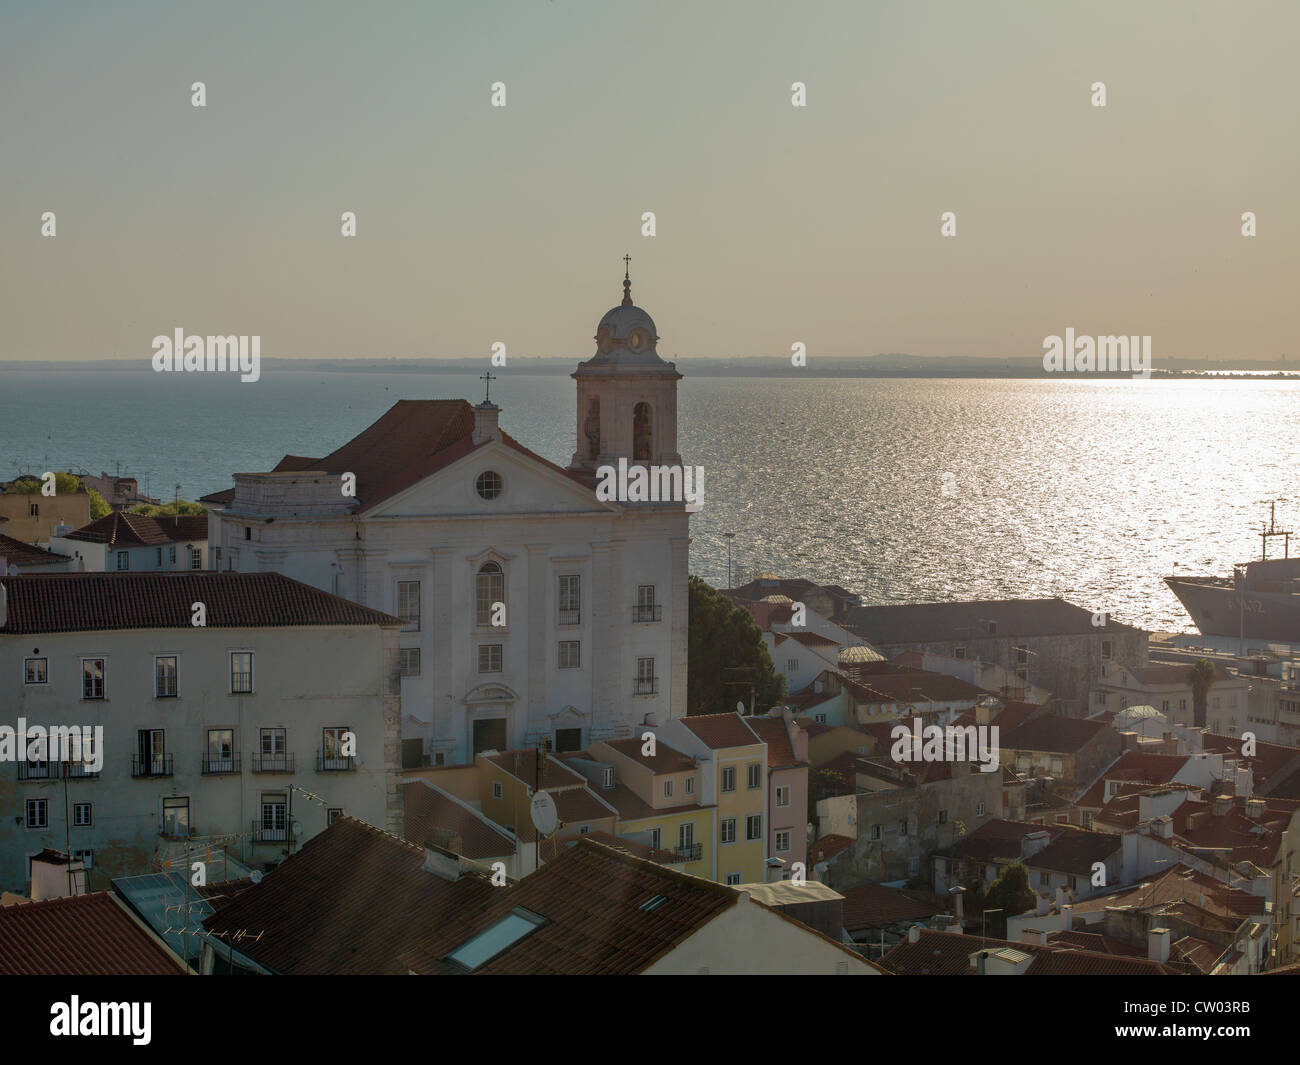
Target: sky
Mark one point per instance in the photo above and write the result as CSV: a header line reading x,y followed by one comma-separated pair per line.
x,y
775,224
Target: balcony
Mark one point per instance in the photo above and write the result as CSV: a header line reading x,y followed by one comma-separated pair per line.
x,y
36,771
152,767
691,853
79,771
220,766
641,614
261,833
334,763
570,617
273,763
645,686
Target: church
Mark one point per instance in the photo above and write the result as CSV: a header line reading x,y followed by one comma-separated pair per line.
x,y
531,608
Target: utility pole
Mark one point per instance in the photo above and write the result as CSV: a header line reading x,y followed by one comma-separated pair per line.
x,y
730,536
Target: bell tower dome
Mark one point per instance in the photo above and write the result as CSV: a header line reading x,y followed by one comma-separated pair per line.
x,y
627,394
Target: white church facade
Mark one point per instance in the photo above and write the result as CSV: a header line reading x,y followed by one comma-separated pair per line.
x,y
532,609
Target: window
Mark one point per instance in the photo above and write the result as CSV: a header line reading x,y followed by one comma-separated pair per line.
x,y
334,813
993,628
164,676
686,835
241,672
248,532
1044,879
488,484
690,785
783,796
274,818
656,838
646,607
335,742
158,557
86,857
570,599
500,937
171,554
196,558
38,811
274,748
959,653
1022,655
728,830
645,676
943,817
792,665
1164,706
755,774
176,816
221,751
33,510
668,789
1182,704
782,840
607,777
902,827
490,588
408,662
733,879
583,829
408,605
81,815
877,832
568,739
754,826
570,654
36,670
979,809
123,560
729,778
1100,699
497,790
1105,650
151,752
819,718
92,678
489,658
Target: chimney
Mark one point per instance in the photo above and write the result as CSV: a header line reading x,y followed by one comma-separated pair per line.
x,y
914,934
1158,945
1067,918
1163,827
1061,898
1255,809
1222,804
442,863
1044,905
960,910
485,422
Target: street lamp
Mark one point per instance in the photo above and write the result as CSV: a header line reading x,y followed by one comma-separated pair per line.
x,y
730,536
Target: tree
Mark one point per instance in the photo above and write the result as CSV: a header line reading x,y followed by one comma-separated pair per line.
x,y
1200,676
727,656
65,484
167,510
98,507
1011,894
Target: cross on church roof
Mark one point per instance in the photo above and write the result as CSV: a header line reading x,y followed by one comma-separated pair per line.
x,y
489,379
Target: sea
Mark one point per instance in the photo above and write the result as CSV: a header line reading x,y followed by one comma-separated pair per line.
x,y
899,489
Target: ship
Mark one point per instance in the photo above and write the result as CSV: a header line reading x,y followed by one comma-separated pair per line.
x,y
1260,601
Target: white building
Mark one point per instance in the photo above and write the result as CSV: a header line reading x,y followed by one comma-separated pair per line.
x,y
205,728
532,609
133,543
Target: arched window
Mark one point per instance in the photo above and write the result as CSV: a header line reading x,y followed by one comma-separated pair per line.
x,y
491,588
641,432
591,428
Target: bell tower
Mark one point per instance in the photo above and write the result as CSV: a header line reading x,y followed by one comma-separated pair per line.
x,y
627,394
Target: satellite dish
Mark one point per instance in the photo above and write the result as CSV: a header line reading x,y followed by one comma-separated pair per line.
x,y
740,707
255,876
545,816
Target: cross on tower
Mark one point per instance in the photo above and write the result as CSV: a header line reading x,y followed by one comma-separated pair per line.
x,y
487,398
627,259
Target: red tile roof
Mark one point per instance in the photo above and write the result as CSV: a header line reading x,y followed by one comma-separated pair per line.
x,y
665,759
870,906
719,731
82,935
772,731
522,765
1133,766
637,850
427,809
1065,735
125,529
96,602
950,954
826,848
350,901
17,553
580,805
1269,759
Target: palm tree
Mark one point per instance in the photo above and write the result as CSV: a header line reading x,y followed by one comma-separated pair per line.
x,y
1200,676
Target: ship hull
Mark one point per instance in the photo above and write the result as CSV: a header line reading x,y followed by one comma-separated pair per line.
x,y
1219,610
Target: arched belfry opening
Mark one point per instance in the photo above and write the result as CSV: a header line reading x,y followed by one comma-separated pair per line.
x,y
642,442
591,428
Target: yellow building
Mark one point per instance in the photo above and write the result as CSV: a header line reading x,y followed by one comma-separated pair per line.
x,y
33,518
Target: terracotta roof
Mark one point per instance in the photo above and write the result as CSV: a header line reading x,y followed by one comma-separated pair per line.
x,y
221,894
427,808
665,759
719,731
1269,759
811,639
223,498
1133,766
1065,735
81,935
637,850
17,553
919,687
999,838
969,622
1097,943
351,900
522,765
578,805
1075,850
876,906
772,731
826,848
950,954
1180,883
123,529
96,602
631,807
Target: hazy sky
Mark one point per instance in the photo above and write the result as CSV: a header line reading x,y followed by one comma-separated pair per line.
x,y
775,223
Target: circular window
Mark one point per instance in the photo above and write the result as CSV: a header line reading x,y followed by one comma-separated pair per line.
x,y
488,484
